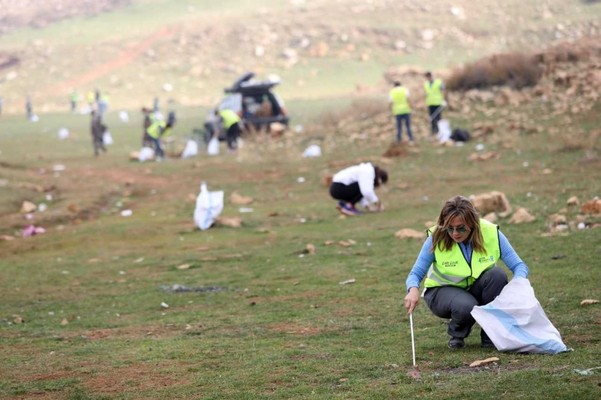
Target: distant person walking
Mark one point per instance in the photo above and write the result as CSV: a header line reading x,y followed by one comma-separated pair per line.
x,y
74,98
357,184
436,100
29,108
97,129
231,124
401,109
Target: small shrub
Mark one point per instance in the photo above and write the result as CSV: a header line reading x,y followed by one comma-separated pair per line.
x,y
515,70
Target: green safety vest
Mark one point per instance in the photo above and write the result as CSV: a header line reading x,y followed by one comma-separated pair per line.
x,y
450,268
156,128
434,96
400,104
229,118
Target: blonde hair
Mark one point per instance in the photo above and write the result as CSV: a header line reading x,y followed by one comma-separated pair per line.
x,y
458,206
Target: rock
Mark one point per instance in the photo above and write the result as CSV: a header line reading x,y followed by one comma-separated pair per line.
x,y
573,201
521,216
28,207
492,202
592,207
238,199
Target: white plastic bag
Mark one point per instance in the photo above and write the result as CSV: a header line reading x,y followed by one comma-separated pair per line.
x,y
208,207
191,149
312,151
213,146
107,138
444,130
515,321
147,153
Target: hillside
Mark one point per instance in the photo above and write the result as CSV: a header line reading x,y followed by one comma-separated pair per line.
x,y
189,50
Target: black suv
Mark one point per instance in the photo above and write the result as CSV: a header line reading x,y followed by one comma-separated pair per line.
x,y
254,101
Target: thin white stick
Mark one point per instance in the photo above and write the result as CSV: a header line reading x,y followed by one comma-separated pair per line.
x,y
412,338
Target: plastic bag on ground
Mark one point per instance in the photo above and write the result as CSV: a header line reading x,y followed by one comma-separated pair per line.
x,y
515,321
312,151
444,130
213,147
208,207
146,154
107,138
191,149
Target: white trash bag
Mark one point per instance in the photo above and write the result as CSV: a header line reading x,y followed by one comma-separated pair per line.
x,y
515,321
312,151
213,146
191,149
107,138
208,207
444,130
146,154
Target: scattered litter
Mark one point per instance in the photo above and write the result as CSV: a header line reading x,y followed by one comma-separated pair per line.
x,y
245,210
183,266
17,319
347,282
145,154
588,371
208,207
177,288
31,230
479,147
139,260
213,147
587,302
300,179
107,138
191,149
312,151
164,305
63,133
347,243
124,116
126,213
58,168
42,207
486,361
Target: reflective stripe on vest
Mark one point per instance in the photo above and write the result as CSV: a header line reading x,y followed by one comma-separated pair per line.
x,y
400,105
434,96
229,118
451,268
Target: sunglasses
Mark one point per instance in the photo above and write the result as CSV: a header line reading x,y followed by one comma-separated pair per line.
x,y
461,230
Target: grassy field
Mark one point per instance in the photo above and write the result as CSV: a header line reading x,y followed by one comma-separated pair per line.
x,y
89,308
81,314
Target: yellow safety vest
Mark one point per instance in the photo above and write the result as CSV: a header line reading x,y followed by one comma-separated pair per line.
x,y
450,268
400,104
229,118
156,128
434,96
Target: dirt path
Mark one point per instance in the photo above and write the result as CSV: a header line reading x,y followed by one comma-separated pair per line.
x,y
123,59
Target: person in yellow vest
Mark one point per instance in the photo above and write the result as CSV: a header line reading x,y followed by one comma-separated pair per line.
x,y
459,263
157,129
401,109
436,99
74,98
231,123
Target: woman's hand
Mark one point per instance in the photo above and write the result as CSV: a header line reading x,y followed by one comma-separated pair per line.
x,y
411,299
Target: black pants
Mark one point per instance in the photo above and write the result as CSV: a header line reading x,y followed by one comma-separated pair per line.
x,y
349,193
232,134
456,303
435,113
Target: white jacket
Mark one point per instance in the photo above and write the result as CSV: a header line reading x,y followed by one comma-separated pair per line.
x,y
365,175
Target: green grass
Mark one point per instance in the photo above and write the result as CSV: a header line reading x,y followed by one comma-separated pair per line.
x,y
281,326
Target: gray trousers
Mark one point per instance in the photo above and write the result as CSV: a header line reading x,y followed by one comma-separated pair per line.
x,y
456,303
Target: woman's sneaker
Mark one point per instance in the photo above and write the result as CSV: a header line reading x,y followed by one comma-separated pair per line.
x,y
347,209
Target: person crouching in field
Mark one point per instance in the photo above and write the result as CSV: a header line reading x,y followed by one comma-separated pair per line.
x,y
460,257
97,129
357,184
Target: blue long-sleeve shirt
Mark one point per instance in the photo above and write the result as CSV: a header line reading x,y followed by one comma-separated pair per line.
x,y
426,258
